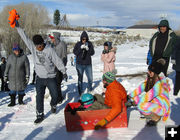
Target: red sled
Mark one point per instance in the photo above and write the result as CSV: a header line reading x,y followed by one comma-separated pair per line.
x,y
86,120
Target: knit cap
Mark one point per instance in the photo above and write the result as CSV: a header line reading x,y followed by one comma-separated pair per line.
x,y
16,47
109,77
157,66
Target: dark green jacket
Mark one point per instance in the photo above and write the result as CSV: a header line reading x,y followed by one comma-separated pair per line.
x,y
169,45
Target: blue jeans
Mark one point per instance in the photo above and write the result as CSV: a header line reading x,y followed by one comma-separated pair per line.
x,y
17,92
41,84
88,71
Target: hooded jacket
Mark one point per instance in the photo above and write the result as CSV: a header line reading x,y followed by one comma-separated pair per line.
x,y
170,41
108,59
60,47
45,61
17,69
83,57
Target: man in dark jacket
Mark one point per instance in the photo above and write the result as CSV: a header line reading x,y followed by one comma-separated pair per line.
x,y
176,66
161,44
61,50
83,51
17,72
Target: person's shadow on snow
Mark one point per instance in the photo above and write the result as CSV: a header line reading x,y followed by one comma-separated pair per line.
x,y
4,120
70,94
175,111
148,133
34,133
101,134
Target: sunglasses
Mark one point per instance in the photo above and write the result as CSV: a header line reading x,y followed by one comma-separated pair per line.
x,y
84,39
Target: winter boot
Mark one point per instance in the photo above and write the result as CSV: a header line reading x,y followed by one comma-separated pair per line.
x,y
53,109
40,118
20,99
152,119
13,100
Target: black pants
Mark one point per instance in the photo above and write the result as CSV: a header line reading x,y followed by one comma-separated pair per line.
x,y
34,77
177,83
4,85
41,84
59,78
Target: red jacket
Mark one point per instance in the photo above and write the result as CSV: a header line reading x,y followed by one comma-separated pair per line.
x,y
115,95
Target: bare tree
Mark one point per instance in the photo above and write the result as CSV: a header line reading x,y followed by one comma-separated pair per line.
x,y
64,21
32,17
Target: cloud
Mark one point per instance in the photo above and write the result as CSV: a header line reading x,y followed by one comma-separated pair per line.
x,y
114,12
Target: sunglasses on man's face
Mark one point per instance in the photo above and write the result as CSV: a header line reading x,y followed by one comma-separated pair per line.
x,y
84,39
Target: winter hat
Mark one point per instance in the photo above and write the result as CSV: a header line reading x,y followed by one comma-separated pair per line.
x,y
16,47
109,77
37,39
51,37
164,23
109,44
157,66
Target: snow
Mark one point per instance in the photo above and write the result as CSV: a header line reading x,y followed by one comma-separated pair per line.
x,y
17,122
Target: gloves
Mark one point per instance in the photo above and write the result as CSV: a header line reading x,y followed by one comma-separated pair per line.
x,y
86,48
129,102
65,77
5,79
173,61
100,124
105,51
83,46
13,18
27,80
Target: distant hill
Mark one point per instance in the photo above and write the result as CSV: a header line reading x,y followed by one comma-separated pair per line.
x,y
109,27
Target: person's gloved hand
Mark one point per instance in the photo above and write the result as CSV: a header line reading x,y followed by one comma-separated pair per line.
x,y
83,46
13,18
173,61
86,48
65,77
5,79
100,124
27,80
103,52
129,102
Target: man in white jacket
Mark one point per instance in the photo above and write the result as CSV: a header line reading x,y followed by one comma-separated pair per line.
x,y
45,61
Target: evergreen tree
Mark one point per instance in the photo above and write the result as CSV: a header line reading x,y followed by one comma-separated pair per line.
x,y
56,17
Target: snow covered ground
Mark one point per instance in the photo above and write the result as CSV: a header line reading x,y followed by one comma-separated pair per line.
x,y
16,123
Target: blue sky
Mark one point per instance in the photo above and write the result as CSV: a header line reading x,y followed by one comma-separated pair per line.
x,y
110,12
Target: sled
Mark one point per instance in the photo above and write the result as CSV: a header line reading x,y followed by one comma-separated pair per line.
x,y
86,120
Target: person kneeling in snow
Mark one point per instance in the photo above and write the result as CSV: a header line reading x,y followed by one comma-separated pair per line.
x,y
115,95
154,103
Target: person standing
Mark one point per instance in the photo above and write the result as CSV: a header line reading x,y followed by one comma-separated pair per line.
x,y
161,44
2,69
45,62
108,57
176,66
83,51
61,50
17,72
